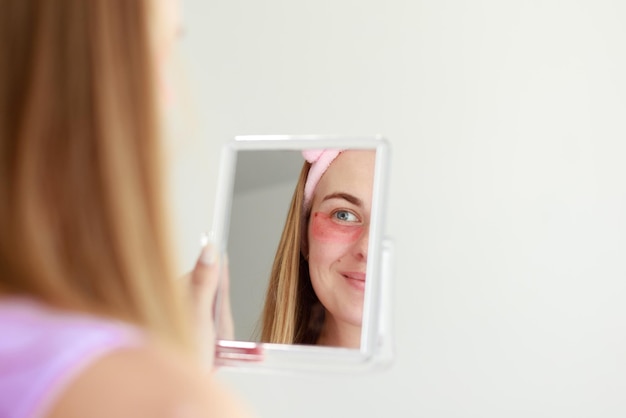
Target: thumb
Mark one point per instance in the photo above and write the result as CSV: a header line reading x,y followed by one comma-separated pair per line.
x,y
205,271
204,280
203,286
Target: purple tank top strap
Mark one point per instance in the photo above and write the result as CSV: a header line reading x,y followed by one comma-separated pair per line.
x,y
42,350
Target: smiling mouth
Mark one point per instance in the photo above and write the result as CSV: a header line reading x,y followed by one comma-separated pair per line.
x,y
355,279
354,276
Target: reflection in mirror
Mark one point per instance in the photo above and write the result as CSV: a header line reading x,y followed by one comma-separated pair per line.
x,y
298,245
263,185
309,268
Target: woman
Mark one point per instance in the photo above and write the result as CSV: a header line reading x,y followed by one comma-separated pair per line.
x,y
93,322
315,295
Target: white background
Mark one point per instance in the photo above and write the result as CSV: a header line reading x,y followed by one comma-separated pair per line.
x,y
507,121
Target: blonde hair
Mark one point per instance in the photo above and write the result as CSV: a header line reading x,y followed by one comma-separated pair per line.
x,y
292,313
81,214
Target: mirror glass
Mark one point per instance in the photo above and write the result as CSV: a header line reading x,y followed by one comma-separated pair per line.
x,y
264,184
301,221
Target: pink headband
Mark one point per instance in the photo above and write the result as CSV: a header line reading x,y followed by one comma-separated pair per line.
x,y
320,160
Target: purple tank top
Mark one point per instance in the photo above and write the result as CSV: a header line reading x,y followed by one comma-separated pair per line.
x,y
42,350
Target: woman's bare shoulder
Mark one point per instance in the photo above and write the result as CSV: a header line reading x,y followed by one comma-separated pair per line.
x,y
149,381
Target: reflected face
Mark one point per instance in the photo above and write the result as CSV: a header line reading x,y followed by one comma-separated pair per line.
x,y
338,234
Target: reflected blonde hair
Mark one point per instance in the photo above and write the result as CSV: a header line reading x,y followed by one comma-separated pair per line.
x,y
292,313
81,214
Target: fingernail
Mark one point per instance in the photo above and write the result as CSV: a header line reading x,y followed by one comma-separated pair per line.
x,y
208,253
207,238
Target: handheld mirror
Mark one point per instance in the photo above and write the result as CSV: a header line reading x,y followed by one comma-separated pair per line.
x,y
302,221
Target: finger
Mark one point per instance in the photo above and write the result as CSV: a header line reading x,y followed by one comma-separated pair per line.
x,y
226,329
205,274
203,283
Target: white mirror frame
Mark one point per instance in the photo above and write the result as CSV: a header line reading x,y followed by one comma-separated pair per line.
x,y
376,349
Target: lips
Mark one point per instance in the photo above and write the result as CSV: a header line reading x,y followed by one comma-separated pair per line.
x,y
355,279
354,275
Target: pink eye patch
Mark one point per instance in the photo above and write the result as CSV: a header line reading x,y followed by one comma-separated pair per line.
x,y
323,228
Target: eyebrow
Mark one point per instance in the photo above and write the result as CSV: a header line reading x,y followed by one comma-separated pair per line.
x,y
345,196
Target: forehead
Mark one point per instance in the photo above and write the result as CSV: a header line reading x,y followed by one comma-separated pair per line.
x,y
351,172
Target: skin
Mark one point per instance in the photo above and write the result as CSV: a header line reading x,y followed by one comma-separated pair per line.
x,y
338,237
154,380
167,21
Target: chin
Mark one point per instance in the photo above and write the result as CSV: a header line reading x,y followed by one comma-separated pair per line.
x,y
355,320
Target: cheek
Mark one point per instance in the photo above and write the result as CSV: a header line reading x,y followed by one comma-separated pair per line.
x,y
323,229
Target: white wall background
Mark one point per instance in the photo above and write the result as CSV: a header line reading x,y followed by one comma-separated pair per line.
x,y
508,192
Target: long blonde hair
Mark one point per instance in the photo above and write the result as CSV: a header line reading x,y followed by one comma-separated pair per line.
x,y
292,313
81,216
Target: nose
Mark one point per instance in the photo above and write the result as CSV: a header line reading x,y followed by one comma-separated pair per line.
x,y
361,245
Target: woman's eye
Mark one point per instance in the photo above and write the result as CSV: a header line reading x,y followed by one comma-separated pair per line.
x,y
345,216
